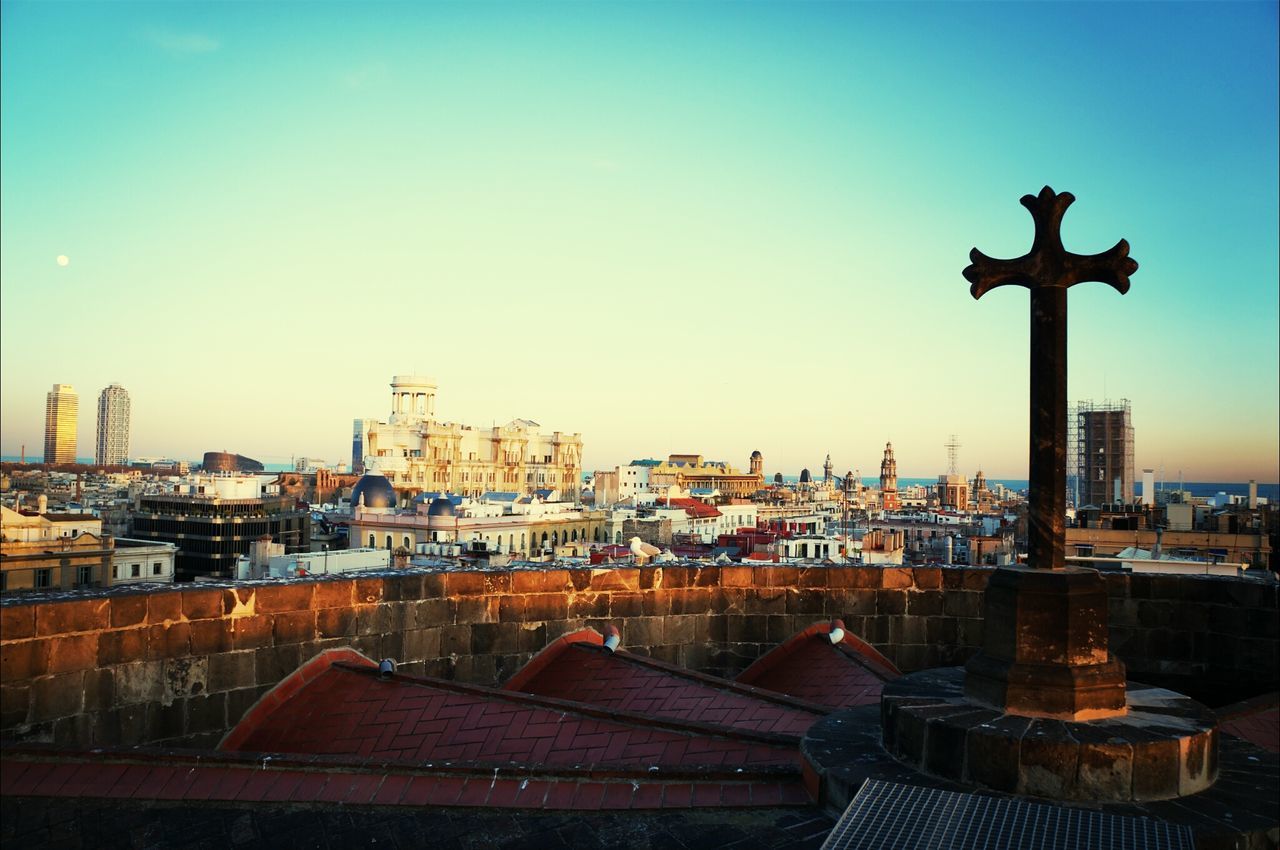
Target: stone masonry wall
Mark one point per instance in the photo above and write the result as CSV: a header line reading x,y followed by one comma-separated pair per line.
x,y
183,664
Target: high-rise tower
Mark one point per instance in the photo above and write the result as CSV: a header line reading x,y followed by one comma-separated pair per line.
x,y
1100,438
889,480
61,407
113,426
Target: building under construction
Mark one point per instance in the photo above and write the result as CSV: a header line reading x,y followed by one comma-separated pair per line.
x,y
1100,453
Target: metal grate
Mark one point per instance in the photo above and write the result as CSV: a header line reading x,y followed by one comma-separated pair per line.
x,y
889,816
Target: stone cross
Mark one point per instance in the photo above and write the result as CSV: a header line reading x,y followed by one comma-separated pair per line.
x,y
1047,270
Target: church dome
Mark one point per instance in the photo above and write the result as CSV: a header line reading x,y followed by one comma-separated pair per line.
x,y
376,490
756,455
441,506
805,477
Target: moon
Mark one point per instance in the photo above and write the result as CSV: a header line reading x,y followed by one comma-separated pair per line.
x,y
64,260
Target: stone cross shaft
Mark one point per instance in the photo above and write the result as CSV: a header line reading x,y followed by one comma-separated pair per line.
x,y
1047,270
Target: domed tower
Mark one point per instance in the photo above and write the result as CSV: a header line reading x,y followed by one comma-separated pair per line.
x,y
805,477
373,492
826,471
757,463
889,479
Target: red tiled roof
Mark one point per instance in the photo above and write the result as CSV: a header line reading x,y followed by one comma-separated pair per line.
x,y
349,710
692,507
587,672
138,774
808,666
1256,720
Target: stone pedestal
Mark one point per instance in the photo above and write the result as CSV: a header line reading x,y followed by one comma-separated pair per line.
x,y
1045,647
1163,746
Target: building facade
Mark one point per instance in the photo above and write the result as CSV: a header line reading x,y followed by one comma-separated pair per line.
x,y
418,453
112,445
1101,449
693,472
213,520
61,410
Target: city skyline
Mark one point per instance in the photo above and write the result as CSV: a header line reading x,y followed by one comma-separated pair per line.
x,y
672,229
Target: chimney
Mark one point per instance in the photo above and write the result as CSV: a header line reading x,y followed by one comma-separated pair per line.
x,y
42,504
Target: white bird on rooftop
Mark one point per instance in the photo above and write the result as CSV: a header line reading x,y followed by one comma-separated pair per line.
x,y
643,550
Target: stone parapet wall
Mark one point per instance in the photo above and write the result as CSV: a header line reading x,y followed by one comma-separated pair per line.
x,y
182,664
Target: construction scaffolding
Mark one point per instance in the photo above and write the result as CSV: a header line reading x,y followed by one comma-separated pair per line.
x,y
1100,453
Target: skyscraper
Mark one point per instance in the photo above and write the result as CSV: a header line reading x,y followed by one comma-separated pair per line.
x,y
1101,448
113,426
60,409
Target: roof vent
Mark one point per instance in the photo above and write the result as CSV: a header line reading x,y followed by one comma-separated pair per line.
x,y
837,631
612,639
387,668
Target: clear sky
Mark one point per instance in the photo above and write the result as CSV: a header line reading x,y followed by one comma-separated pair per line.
x,y
673,227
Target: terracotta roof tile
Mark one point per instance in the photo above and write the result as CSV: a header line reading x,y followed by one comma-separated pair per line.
x,y
808,666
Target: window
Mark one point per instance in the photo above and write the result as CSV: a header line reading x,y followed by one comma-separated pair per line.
x,y
155,568
115,571
406,542
388,541
135,570
84,575
44,577
372,545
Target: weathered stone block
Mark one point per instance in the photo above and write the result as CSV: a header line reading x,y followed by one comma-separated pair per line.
x,y
15,703
455,640
335,622
679,629
17,622
168,640
546,606
251,632
185,677
589,605
209,637
271,664
533,637
642,632
77,615
475,609
163,606
624,604
962,603
372,619
139,682
229,671
273,599
57,696
369,591
128,609
808,602
207,714
24,660
924,603
615,578
334,594
463,584
73,652
926,578
296,626
897,577
768,600
891,601
201,604
99,690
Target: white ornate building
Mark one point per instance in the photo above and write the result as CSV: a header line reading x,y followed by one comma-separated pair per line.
x,y
416,452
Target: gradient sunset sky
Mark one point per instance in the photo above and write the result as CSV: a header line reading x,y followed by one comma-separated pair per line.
x,y
672,227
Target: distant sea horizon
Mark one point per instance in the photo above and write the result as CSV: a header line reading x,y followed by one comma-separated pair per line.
x,y
1266,490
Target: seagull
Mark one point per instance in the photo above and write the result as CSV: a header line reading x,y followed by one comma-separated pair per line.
x,y
642,550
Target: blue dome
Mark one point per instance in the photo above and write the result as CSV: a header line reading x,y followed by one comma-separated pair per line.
x,y
377,491
441,507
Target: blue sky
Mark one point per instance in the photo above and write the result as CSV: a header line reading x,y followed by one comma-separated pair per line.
x,y
671,227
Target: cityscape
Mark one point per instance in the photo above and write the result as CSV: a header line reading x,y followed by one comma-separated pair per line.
x,y
517,426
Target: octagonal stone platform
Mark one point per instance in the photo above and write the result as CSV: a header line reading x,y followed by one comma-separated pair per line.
x,y
1164,746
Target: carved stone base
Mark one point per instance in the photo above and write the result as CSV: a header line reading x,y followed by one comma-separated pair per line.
x,y
1164,746
1045,647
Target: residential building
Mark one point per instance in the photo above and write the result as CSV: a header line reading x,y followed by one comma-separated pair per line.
x,y
112,445
418,453
693,472
61,409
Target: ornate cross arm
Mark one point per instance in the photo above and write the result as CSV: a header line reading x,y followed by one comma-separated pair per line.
x,y
1048,263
